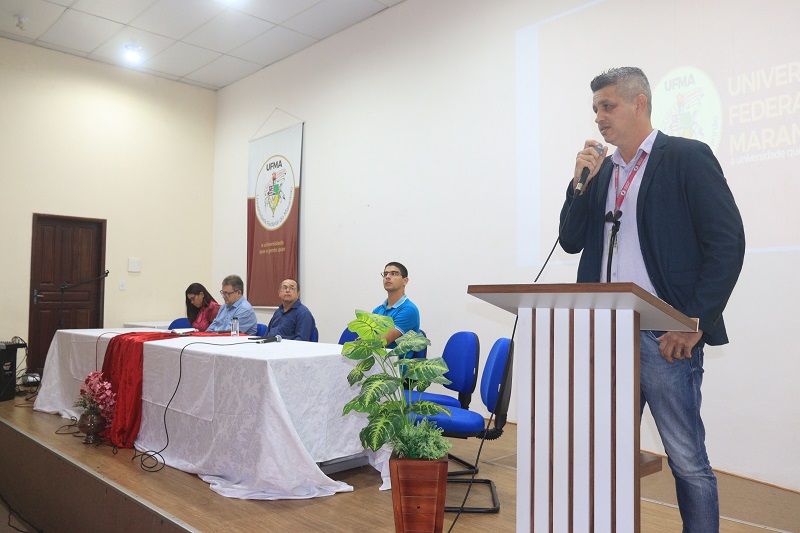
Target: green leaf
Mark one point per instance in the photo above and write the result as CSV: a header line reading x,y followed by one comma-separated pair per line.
x,y
370,326
363,348
353,405
391,408
427,370
413,341
379,431
421,386
355,376
358,373
426,408
375,387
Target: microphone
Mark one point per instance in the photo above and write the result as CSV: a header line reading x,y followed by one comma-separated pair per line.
x,y
265,340
585,173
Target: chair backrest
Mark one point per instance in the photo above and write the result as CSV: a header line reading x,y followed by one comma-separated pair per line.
x,y
314,335
496,380
180,323
261,330
347,336
462,353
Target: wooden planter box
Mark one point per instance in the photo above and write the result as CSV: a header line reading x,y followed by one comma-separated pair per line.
x,y
418,493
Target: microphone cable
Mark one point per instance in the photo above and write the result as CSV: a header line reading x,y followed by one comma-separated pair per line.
x,y
577,193
474,473
153,461
558,239
97,348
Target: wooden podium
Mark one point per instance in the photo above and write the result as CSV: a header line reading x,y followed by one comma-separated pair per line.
x,y
577,358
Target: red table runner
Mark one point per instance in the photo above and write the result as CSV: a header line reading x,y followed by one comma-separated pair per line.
x,y
122,367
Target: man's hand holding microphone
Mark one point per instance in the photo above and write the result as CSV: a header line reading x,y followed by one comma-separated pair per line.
x,y
587,163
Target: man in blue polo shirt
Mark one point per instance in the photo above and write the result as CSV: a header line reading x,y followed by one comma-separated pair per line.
x,y
397,305
292,320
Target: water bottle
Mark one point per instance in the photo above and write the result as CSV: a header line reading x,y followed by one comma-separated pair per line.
x,y
234,327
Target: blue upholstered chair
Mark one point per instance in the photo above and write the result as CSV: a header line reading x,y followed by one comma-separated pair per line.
x,y
463,423
347,336
461,353
261,330
180,323
315,335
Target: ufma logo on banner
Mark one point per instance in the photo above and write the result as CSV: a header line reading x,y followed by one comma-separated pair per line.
x,y
274,192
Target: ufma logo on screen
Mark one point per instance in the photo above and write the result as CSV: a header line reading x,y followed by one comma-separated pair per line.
x,y
686,104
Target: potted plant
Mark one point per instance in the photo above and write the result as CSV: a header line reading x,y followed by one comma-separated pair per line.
x,y
97,400
419,458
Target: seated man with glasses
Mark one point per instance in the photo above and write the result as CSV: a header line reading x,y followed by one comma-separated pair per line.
x,y
402,310
236,305
292,320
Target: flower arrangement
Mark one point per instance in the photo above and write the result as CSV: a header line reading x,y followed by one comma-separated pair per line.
x,y
96,396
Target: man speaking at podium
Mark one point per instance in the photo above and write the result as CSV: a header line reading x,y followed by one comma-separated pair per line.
x,y
659,213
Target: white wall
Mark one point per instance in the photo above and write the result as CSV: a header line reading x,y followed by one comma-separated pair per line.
x,y
410,155
85,139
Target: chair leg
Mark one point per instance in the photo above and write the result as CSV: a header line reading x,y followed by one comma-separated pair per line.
x,y
495,500
471,468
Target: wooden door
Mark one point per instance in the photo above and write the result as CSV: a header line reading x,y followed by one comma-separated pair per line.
x,y
67,280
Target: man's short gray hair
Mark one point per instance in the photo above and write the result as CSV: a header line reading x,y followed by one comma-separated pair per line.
x,y
234,281
631,82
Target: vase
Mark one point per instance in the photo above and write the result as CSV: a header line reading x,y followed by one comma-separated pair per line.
x,y
418,493
91,425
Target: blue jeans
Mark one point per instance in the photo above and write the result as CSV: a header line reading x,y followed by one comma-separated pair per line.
x,y
672,390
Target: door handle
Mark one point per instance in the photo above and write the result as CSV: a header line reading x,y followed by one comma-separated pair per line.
x,y
35,296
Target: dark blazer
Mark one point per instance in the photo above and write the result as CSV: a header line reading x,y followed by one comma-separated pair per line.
x,y
690,230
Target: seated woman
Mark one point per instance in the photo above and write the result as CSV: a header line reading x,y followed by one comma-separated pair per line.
x,y
201,307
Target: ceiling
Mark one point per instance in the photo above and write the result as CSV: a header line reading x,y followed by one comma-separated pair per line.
x,y
209,43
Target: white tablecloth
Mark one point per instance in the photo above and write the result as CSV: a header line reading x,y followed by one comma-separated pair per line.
x,y
253,420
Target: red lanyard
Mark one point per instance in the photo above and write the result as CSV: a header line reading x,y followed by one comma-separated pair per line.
x,y
624,191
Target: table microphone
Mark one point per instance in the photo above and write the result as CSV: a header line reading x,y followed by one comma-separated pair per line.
x,y
264,340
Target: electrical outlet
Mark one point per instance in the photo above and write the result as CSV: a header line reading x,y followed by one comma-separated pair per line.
x,y
123,285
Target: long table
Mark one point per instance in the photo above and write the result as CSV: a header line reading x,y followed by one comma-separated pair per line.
x,y
252,420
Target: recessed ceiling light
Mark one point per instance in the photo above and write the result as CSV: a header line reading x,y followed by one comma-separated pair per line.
x,y
133,53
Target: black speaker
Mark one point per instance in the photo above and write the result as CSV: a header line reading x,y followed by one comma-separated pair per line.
x,y
8,370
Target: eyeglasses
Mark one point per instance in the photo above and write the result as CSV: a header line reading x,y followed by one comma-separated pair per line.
x,y
191,296
392,273
288,288
228,294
